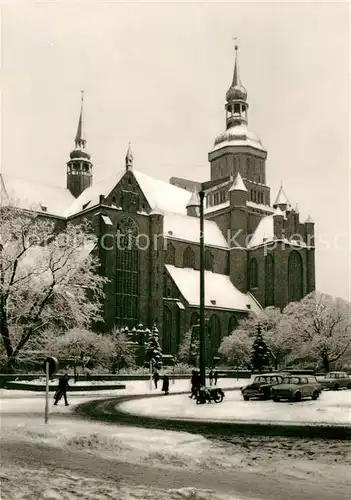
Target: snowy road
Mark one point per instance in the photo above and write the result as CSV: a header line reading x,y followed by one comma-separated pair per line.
x,y
332,407
70,458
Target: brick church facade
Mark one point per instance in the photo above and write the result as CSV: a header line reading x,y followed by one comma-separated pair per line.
x,y
257,254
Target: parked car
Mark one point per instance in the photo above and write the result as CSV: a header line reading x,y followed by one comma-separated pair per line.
x,y
296,388
336,380
261,386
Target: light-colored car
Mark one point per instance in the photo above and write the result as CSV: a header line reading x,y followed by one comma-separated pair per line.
x,y
336,380
297,387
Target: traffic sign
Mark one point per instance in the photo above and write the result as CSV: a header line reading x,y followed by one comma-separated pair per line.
x,y
53,365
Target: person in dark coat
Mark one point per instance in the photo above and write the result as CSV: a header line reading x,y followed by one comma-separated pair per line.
x,y
156,378
195,384
215,376
165,385
62,389
211,376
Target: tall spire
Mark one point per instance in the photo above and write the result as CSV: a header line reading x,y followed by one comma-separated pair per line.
x,y
236,91
80,136
236,75
129,158
79,174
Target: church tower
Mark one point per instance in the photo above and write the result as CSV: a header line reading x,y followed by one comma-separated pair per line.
x,y
79,167
238,150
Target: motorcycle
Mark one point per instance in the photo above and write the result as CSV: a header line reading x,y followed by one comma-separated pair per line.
x,y
206,395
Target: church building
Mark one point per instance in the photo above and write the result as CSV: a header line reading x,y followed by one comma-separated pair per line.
x,y
257,254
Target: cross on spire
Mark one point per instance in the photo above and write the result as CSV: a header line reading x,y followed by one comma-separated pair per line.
x,y
235,39
82,96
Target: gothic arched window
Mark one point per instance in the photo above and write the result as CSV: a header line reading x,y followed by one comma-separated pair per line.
x,y
295,276
269,280
189,258
167,331
232,324
214,328
208,260
170,254
127,275
253,273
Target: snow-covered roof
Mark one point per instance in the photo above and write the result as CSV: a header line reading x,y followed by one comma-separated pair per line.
x,y
183,227
238,184
90,196
260,206
263,233
214,208
219,290
238,135
281,198
161,194
32,195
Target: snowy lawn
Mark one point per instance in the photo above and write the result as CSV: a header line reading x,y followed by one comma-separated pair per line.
x,y
330,408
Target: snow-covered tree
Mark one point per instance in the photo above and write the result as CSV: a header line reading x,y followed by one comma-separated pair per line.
x,y
280,340
236,348
48,278
123,349
81,345
260,356
189,349
323,326
153,349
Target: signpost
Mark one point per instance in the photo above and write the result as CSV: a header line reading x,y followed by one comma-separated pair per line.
x,y
50,367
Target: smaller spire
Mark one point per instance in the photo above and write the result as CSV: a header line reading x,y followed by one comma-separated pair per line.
x,y
80,136
194,200
238,184
309,220
129,158
296,209
281,198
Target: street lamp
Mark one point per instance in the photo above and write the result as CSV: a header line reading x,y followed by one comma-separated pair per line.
x,y
202,338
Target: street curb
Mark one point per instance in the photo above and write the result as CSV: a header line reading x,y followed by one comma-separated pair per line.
x,y
108,410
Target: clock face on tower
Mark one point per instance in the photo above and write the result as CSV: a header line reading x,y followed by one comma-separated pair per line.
x,y
128,226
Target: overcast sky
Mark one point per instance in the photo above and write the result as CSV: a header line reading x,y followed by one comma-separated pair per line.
x,y
156,74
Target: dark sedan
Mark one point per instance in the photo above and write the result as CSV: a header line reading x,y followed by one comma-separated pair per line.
x,y
261,386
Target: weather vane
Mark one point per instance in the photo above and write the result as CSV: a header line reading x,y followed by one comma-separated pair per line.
x,y
82,92
235,38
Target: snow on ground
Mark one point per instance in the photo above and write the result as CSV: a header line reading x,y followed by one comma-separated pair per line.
x,y
331,407
299,459
69,486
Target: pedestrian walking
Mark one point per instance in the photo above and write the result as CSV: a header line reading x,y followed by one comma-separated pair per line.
x,y
211,377
215,376
62,389
165,385
194,384
156,378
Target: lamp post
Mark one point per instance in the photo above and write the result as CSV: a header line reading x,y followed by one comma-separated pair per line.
x,y
202,360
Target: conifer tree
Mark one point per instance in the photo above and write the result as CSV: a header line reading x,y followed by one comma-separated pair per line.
x,y
153,349
260,356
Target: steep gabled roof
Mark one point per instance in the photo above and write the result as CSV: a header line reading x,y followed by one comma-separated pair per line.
x,y
33,195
